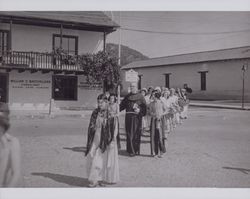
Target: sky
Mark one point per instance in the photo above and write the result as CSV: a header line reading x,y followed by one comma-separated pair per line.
x,y
181,31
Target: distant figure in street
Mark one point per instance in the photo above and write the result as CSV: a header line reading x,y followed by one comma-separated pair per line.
x,y
188,89
157,111
102,152
135,106
185,103
9,152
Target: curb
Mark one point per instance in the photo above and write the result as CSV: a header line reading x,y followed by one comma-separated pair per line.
x,y
52,116
220,106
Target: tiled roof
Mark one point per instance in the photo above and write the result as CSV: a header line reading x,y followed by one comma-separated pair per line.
x,y
215,55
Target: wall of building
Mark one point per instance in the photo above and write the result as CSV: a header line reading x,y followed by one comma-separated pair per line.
x,y
39,39
33,92
29,91
86,96
224,78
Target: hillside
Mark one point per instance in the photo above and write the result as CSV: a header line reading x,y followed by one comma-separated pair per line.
x,y
128,55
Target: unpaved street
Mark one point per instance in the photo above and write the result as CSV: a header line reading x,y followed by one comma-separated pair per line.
x,y
210,149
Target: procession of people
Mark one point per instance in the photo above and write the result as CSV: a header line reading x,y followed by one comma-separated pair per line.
x,y
154,111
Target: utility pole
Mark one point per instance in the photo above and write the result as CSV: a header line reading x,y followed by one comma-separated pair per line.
x,y
120,40
244,68
119,59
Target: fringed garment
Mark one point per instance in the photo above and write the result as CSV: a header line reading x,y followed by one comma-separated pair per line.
x,y
102,152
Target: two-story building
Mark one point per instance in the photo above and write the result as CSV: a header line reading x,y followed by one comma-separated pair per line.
x,y
33,71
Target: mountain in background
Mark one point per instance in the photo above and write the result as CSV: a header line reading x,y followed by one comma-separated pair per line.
x,y
128,55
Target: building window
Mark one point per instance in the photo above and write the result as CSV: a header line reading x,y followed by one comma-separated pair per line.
x,y
69,43
139,81
203,80
167,78
4,41
4,87
64,88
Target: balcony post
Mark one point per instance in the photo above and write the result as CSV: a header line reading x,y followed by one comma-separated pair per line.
x,y
61,33
104,41
10,37
104,50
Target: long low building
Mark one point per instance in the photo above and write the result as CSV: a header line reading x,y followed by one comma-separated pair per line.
x,y
212,75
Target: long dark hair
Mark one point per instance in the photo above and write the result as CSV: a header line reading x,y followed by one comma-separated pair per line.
x,y
113,95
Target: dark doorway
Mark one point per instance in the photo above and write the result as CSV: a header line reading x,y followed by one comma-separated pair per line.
x,y
139,81
167,80
3,87
203,80
64,87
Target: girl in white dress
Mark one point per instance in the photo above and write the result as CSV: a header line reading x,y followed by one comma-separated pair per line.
x,y
112,169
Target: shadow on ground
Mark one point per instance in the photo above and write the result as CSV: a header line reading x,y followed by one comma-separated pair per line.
x,y
245,171
142,141
69,180
125,153
76,149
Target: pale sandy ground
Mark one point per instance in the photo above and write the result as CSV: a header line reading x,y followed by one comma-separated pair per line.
x,y
210,149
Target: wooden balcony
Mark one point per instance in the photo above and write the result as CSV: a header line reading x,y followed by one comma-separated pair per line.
x,y
39,61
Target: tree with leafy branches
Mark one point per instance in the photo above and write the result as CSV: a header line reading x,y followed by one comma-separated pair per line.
x,y
101,67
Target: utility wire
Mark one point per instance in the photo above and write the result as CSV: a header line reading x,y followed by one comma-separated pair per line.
x,y
185,33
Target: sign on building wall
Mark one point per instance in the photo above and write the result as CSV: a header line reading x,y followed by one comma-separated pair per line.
x,y
30,83
131,76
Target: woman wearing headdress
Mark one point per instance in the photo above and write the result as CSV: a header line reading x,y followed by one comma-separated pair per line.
x,y
102,152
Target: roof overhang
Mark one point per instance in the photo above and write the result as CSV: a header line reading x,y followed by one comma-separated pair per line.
x,y
56,23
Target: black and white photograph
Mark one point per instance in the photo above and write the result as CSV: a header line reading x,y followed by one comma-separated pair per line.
x,y
124,99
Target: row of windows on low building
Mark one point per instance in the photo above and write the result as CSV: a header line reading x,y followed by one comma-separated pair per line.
x,y
203,84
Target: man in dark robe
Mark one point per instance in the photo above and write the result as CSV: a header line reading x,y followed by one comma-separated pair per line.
x,y
135,106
